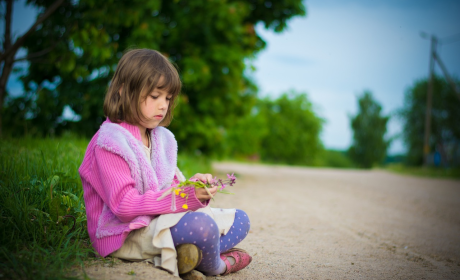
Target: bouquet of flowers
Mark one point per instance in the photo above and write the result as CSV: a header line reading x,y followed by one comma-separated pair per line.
x,y
179,190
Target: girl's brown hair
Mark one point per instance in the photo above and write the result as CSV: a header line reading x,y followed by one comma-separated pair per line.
x,y
138,74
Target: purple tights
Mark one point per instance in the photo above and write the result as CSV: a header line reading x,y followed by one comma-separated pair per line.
x,y
200,229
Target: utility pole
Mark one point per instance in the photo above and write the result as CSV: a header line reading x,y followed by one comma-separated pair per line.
x,y
426,146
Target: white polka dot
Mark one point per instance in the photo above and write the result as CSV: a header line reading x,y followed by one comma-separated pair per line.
x,y
194,242
213,237
204,247
241,223
185,224
231,232
207,253
201,228
240,229
175,229
182,238
196,218
233,243
191,233
212,246
229,239
237,237
212,225
225,245
205,240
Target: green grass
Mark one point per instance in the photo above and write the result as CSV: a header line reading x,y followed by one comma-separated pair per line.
x,y
42,214
431,172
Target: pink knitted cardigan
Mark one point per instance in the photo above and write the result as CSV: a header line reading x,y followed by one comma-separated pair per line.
x,y
121,186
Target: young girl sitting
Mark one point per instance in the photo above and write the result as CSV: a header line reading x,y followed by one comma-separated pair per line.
x,y
129,165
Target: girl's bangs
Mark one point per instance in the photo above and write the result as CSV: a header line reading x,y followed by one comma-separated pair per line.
x,y
171,83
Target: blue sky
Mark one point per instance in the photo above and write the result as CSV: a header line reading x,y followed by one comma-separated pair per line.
x,y
340,49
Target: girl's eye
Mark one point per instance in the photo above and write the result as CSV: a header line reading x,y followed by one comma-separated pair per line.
x,y
154,97
169,98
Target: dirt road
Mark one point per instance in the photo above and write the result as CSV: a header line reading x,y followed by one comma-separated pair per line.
x,y
311,223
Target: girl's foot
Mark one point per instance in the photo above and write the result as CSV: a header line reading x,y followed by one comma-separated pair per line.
x,y
235,259
188,257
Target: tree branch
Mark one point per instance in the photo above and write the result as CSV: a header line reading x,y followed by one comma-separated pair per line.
x,y
35,55
20,41
9,12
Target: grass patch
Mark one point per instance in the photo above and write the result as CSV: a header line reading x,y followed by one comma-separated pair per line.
x,y
432,172
42,213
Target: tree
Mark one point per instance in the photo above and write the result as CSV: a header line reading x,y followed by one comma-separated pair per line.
x,y
293,130
209,41
445,120
369,127
10,47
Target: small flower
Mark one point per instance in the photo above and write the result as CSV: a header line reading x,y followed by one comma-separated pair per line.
x,y
182,195
177,191
185,206
231,177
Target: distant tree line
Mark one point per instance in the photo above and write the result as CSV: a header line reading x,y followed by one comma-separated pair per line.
x,y
369,147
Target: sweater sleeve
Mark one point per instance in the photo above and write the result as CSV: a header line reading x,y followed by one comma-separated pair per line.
x,y
113,182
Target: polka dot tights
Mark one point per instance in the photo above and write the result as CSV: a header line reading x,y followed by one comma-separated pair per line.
x,y
200,229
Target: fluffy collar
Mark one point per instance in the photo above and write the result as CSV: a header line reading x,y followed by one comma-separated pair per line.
x,y
124,140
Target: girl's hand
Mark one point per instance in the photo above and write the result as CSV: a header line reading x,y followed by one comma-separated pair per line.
x,y
200,193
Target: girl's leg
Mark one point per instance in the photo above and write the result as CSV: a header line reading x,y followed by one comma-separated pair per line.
x,y
200,229
237,232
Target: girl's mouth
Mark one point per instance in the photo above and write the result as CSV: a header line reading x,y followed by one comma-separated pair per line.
x,y
158,116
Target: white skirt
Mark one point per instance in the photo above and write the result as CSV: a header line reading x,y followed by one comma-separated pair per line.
x,y
154,243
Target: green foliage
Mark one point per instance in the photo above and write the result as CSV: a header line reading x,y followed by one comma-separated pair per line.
x,y
43,219
369,127
335,159
430,172
190,164
283,130
445,120
209,41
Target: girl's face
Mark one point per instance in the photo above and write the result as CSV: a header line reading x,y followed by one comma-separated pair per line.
x,y
154,108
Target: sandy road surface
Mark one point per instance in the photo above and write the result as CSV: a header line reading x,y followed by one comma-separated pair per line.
x,y
338,224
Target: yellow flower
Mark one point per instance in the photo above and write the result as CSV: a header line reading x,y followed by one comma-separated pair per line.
x,y
182,195
185,206
177,191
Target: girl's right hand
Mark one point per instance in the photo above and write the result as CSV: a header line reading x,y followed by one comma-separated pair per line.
x,y
202,195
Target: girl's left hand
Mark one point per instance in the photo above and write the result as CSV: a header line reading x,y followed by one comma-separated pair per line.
x,y
201,194
205,178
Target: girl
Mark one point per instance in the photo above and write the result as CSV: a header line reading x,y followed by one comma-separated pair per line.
x,y
129,165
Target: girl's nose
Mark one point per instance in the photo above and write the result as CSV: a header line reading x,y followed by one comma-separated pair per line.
x,y
164,103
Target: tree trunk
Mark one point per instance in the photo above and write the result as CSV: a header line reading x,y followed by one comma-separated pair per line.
x,y
8,62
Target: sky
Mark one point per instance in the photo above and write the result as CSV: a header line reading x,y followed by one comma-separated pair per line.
x,y
344,47
339,50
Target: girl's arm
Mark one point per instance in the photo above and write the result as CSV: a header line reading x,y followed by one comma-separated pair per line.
x,y
117,189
